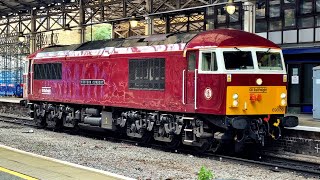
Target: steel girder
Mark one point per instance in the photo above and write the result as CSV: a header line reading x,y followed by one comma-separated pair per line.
x,y
83,13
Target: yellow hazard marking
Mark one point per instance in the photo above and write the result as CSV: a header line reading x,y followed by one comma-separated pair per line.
x,y
272,136
14,173
276,124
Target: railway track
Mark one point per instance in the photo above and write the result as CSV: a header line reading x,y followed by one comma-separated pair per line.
x,y
274,163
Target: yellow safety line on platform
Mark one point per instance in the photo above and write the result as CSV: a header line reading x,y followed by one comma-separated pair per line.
x,y
23,176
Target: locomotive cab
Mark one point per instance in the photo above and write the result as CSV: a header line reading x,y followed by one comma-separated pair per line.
x,y
244,86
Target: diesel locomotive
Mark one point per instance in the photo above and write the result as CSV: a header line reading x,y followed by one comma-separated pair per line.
x,y
201,89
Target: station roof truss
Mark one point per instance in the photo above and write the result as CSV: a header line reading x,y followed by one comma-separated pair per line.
x,y
36,17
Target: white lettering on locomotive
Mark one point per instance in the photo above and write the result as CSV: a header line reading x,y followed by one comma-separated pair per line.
x,y
46,90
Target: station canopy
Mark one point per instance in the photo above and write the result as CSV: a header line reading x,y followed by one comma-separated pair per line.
x,y
12,7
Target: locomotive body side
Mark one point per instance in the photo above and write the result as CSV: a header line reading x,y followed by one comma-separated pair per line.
x,y
77,84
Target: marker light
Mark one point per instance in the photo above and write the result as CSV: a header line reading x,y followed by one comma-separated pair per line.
x,y
235,103
259,81
235,96
285,78
283,102
283,95
229,78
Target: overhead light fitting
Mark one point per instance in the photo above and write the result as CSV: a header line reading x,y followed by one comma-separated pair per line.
x,y
133,21
21,37
230,7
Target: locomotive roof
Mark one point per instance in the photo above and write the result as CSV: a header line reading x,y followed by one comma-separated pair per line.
x,y
229,38
160,42
159,39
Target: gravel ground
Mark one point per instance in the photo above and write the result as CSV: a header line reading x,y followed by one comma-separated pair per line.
x,y
125,159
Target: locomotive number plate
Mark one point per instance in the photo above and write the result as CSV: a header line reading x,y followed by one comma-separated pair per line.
x,y
92,82
258,89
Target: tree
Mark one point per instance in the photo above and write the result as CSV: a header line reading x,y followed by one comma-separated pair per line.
x,y
99,32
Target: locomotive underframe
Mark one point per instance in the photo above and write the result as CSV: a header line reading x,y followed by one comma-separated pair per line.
x,y
205,132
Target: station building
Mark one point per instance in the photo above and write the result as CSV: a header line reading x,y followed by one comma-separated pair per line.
x,y
295,26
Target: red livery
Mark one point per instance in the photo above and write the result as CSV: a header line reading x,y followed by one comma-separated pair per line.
x,y
200,89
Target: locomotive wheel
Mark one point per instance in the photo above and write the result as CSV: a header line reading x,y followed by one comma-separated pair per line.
x,y
40,122
146,137
57,124
202,149
176,141
215,146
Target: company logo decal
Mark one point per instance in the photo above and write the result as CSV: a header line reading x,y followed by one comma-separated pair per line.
x,y
92,82
258,89
46,90
208,93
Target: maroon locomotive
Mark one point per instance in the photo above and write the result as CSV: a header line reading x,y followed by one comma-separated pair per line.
x,y
199,89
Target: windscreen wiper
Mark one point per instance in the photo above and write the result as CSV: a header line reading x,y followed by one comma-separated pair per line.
x,y
237,48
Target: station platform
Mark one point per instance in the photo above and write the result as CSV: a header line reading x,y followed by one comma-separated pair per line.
x,y
16,164
306,123
10,99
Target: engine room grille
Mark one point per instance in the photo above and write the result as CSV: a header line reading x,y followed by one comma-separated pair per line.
x,y
48,71
147,74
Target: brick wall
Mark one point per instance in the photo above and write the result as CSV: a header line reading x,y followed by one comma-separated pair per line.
x,y
300,142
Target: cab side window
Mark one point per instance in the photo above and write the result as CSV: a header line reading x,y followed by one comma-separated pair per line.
x,y
209,61
192,61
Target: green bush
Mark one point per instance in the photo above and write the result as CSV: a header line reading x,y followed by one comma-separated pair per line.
x,y
205,174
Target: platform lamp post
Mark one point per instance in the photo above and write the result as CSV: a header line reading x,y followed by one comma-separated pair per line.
x,y
249,7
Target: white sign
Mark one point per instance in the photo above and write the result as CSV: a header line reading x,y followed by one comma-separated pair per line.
x,y
294,79
46,90
317,81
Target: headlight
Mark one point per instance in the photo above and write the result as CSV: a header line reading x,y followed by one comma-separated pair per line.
x,y
283,102
235,96
283,95
235,103
259,81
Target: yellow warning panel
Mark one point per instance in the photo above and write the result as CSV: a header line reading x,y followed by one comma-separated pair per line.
x,y
256,100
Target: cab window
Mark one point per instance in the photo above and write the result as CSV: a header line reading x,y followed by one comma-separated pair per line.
x,y
269,60
192,61
209,61
238,60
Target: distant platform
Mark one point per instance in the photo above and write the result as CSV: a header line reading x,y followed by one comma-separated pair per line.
x,y
10,99
307,123
17,164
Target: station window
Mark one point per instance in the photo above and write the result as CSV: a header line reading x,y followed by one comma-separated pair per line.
x,y
274,9
306,6
48,71
238,60
147,74
209,61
